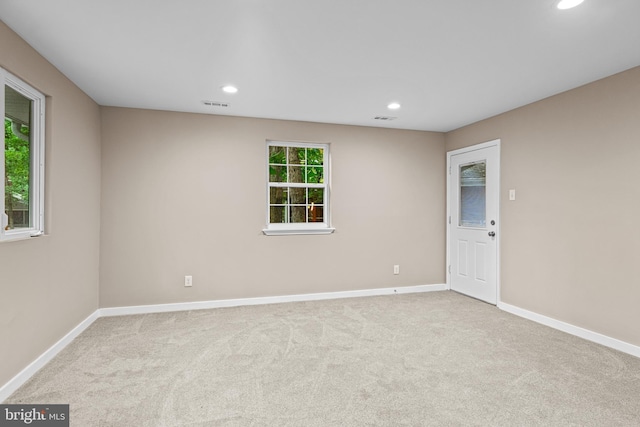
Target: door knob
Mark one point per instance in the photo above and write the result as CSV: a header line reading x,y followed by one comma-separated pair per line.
x,y
492,233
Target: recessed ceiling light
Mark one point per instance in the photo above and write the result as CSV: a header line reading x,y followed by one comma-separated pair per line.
x,y
229,89
393,106
568,4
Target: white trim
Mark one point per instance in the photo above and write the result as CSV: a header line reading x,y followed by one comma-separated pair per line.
x,y
294,231
203,305
23,376
586,334
450,154
475,147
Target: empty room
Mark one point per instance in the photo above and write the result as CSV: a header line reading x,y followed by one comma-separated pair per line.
x,y
337,213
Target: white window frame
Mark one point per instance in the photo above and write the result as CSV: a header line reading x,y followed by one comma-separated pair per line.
x,y
37,153
300,228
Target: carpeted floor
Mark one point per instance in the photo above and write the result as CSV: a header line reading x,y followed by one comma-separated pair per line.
x,y
417,360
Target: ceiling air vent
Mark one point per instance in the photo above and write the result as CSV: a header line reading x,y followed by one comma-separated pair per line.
x,y
215,104
386,118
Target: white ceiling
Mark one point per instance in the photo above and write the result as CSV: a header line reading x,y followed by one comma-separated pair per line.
x,y
448,62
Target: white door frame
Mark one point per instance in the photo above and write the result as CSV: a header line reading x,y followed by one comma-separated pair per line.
x,y
496,143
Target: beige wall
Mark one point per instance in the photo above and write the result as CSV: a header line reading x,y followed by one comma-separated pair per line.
x,y
572,235
49,284
185,194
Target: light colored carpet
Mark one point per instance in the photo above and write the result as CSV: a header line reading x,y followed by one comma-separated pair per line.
x,y
417,360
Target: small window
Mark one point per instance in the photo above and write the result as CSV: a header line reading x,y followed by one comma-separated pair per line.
x,y
21,159
297,189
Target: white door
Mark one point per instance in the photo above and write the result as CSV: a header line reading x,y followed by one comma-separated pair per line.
x,y
473,208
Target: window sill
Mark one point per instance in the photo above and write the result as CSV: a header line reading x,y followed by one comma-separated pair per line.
x,y
19,237
299,231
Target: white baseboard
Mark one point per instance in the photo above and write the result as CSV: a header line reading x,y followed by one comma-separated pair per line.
x,y
586,334
24,375
201,305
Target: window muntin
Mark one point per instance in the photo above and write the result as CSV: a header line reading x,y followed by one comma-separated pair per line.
x,y
21,159
298,195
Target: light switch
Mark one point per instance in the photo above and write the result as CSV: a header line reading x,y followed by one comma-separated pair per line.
x,y
512,194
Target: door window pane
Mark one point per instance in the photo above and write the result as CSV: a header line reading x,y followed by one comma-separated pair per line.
x,y
473,199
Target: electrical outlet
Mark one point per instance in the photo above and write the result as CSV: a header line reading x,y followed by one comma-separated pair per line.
x,y
396,269
188,280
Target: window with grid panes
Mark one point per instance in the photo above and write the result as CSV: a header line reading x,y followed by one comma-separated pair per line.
x,y
298,190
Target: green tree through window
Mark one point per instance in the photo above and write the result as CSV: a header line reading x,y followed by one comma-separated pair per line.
x,y
16,176
297,188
